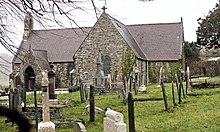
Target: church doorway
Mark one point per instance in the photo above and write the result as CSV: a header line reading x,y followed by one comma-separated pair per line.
x,y
29,78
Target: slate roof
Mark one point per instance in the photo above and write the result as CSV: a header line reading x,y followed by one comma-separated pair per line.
x,y
128,38
159,42
60,44
154,42
41,58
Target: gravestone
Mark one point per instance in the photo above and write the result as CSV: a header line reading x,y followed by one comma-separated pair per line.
x,y
81,90
14,99
99,77
142,88
86,90
46,125
51,76
79,127
125,91
160,77
187,80
114,122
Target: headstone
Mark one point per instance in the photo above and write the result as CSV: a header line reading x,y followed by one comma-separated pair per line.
x,y
187,80
109,81
125,91
14,99
135,83
86,90
46,125
11,86
114,122
99,77
124,96
51,76
142,88
11,99
81,90
79,127
130,80
160,75
125,84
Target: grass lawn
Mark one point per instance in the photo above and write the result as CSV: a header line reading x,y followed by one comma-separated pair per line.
x,y
195,114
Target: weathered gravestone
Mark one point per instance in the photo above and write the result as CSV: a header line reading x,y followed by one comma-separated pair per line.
x,y
79,127
14,99
46,125
51,76
125,91
99,77
81,90
187,80
142,88
114,122
86,90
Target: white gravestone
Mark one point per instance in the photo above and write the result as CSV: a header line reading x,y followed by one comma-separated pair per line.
x,y
114,122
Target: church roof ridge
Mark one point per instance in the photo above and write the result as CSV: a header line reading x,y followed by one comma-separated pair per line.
x,y
142,24
74,28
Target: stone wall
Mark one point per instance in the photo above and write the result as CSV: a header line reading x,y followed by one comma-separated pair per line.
x,y
62,71
63,76
28,61
105,38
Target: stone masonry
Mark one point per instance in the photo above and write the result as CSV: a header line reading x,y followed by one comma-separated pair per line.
x,y
105,38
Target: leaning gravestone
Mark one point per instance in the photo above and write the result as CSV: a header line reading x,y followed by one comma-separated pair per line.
x,y
79,127
114,122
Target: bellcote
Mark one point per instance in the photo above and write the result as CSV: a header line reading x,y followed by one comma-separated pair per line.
x,y
28,25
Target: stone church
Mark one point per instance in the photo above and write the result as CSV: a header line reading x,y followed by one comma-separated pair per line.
x,y
71,54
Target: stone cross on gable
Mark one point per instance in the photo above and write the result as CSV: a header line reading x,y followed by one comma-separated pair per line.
x,y
104,8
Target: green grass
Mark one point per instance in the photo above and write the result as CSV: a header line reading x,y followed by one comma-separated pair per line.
x,y
196,113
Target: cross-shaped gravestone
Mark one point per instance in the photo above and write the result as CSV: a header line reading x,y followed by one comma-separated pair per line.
x,y
46,125
99,73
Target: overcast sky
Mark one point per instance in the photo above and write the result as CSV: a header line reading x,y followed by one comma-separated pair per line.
x,y
137,12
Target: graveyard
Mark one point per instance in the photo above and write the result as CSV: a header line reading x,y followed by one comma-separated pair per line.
x,y
198,111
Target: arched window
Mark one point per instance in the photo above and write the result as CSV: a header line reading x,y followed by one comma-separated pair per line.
x,y
106,60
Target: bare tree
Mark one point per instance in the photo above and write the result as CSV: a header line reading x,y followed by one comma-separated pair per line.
x,y
42,11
